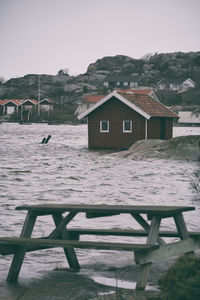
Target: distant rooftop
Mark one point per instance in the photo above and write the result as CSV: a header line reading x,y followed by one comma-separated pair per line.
x,y
122,78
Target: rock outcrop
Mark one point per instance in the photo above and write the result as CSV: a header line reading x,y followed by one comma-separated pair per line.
x,y
65,88
178,148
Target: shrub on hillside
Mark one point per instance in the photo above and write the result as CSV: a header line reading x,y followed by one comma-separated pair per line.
x,y
181,281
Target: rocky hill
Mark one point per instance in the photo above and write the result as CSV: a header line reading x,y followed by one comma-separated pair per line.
x,y
70,89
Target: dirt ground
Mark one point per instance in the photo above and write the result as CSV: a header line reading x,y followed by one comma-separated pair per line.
x,y
62,284
66,285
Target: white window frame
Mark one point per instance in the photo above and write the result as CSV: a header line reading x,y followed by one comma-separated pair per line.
x,y
131,126
125,83
103,130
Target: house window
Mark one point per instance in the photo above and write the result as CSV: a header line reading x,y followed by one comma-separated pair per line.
x,y
127,126
118,82
104,126
125,83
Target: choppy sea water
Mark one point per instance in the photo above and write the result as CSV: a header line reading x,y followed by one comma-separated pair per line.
x,y
65,171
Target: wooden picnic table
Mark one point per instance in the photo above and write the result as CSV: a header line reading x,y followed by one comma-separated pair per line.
x,y
149,218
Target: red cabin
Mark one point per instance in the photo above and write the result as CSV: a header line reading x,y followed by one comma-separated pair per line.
x,y
125,116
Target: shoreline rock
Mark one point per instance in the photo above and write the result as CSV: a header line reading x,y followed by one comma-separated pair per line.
x,y
178,148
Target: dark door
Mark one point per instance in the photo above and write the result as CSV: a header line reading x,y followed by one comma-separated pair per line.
x,y
163,129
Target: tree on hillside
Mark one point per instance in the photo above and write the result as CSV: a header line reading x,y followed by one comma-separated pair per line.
x,y
64,71
147,56
2,80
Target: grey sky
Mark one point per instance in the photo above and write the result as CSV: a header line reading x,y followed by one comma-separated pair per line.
x,y
44,36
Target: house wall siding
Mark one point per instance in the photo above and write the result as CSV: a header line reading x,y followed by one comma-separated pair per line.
x,y
115,112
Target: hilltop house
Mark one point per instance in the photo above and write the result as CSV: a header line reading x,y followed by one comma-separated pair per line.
x,y
121,81
125,116
175,84
189,118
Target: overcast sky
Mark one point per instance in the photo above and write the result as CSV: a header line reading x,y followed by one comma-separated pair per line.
x,y
44,36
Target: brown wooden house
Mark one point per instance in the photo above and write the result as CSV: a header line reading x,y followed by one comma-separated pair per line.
x,y
123,117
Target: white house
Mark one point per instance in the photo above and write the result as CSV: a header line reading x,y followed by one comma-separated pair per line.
x,y
175,84
189,117
121,81
187,84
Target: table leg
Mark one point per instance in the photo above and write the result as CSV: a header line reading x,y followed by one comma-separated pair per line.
x,y
151,239
146,226
182,229
20,253
69,252
181,226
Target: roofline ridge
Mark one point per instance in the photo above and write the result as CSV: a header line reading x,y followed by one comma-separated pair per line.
x,y
119,97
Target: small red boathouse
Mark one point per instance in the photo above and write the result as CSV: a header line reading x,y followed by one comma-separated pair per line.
x,y
125,116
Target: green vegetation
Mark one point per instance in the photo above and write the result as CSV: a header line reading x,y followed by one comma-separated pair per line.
x,y
189,97
181,281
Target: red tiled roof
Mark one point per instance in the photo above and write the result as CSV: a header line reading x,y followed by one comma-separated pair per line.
x,y
15,101
149,105
2,102
92,98
140,92
144,102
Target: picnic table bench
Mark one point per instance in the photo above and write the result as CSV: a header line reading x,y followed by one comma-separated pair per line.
x,y
149,218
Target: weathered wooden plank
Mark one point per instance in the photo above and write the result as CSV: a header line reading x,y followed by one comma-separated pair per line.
x,y
153,210
143,276
61,223
75,232
7,249
146,226
181,226
154,230
74,235
151,239
20,253
168,251
90,215
25,242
